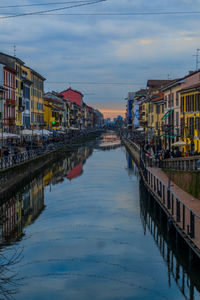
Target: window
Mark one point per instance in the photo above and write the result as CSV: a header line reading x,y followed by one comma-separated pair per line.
x,y
27,105
177,119
169,100
177,99
172,99
191,128
196,102
157,108
192,102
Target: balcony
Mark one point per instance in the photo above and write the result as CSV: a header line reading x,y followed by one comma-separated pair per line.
x,y
10,102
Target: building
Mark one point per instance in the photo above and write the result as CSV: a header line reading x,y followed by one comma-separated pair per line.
x,y
139,98
130,110
16,64
75,98
158,112
190,117
98,118
172,108
36,97
8,102
153,88
53,111
2,101
26,98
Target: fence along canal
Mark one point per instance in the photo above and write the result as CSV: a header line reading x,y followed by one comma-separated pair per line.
x,y
174,254
183,213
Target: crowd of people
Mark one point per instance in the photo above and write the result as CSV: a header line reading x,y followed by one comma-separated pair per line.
x,y
15,148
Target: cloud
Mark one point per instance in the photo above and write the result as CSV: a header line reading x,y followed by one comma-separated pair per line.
x,y
120,49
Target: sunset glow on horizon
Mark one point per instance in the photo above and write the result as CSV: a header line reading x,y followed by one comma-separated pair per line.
x,y
111,113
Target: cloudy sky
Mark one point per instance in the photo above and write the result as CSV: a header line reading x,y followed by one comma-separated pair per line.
x,y
99,50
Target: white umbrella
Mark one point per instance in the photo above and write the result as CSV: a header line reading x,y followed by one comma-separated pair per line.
x,y
140,129
179,144
7,135
26,132
45,132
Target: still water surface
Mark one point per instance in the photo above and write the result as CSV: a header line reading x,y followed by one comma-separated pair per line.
x,y
82,230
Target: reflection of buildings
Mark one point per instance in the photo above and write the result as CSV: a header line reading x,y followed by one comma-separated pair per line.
x,y
70,167
11,215
131,166
23,208
174,252
36,199
76,171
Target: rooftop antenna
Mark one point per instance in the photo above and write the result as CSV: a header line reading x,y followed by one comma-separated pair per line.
x,y
14,50
197,58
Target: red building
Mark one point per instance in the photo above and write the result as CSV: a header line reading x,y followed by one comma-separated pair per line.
x,y
73,96
10,102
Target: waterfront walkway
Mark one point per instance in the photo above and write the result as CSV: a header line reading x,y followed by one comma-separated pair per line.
x,y
182,208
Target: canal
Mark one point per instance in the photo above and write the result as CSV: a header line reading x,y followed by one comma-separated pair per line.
x,y
86,228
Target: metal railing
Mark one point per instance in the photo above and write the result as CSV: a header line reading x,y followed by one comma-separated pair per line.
x,y
190,163
186,218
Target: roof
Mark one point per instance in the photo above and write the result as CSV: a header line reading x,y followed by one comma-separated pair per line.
x,y
130,96
9,68
172,83
157,82
36,73
13,57
158,97
73,91
191,87
54,107
191,73
52,96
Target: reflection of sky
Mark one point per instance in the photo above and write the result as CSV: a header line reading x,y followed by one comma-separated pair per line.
x,y
89,242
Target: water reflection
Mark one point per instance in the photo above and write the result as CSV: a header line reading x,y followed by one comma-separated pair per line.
x,y
132,168
26,205
93,240
174,252
108,141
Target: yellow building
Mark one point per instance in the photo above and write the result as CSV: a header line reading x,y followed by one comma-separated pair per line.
x,y
158,113
37,101
53,111
190,117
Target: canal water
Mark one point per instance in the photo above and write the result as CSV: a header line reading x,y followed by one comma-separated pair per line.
x,y
85,228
